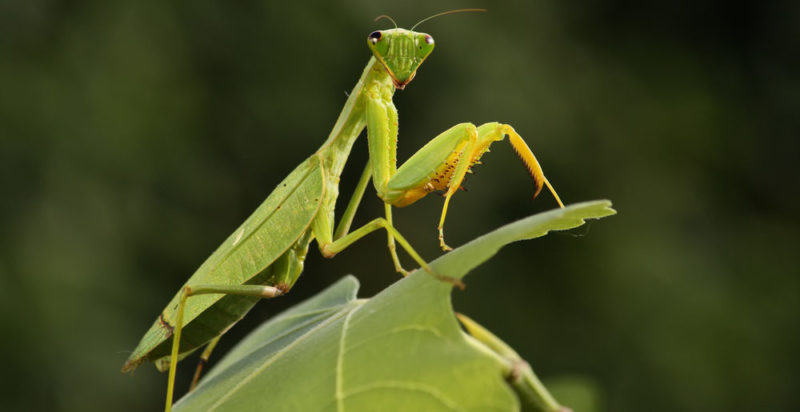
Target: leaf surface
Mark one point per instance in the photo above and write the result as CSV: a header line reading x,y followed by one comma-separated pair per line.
x,y
400,350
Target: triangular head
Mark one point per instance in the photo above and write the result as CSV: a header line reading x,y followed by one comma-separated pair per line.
x,y
401,52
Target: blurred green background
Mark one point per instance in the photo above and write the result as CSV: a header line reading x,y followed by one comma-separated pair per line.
x,y
135,135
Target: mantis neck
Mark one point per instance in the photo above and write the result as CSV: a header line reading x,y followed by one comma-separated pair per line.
x,y
351,121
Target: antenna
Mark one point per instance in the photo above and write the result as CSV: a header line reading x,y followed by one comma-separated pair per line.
x,y
444,13
383,16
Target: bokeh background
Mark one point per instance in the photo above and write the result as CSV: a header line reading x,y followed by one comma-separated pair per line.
x,y
135,135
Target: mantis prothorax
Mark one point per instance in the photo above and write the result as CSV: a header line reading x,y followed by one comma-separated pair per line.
x,y
264,257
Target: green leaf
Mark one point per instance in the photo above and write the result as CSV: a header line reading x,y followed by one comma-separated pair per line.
x,y
400,350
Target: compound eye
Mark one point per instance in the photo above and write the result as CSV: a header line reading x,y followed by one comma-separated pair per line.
x,y
428,39
374,37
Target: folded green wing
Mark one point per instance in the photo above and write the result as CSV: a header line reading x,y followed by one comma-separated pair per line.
x,y
249,251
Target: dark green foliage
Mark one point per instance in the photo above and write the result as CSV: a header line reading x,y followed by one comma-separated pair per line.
x,y
136,135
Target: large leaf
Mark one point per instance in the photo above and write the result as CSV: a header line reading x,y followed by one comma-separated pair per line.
x,y
400,350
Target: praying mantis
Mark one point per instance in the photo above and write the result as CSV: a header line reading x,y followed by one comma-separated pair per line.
x,y
263,257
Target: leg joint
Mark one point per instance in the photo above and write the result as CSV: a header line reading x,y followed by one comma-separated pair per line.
x,y
326,252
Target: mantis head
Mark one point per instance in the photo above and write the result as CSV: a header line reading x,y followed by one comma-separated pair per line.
x,y
401,52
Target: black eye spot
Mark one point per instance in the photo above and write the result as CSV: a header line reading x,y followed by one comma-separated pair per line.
x,y
374,37
428,39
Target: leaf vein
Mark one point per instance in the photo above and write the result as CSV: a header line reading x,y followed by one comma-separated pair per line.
x,y
404,385
340,361
411,328
272,360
